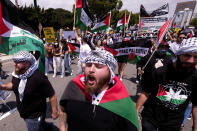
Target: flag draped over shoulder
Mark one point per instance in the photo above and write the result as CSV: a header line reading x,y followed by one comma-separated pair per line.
x,y
121,23
16,35
83,17
103,24
116,99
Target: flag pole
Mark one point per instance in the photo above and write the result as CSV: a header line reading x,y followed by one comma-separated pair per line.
x,y
124,22
128,20
110,19
74,14
16,3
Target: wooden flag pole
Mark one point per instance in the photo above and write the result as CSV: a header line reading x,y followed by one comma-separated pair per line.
x,y
74,14
16,3
124,23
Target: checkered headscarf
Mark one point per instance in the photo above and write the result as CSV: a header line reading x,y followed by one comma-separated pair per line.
x,y
188,46
103,57
24,56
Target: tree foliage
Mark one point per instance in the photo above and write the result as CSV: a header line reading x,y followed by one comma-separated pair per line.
x,y
194,22
57,18
60,18
99,8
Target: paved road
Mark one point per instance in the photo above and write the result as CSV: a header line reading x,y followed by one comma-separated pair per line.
x,y
14,123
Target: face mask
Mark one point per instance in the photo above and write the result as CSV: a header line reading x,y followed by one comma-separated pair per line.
x,y
162,51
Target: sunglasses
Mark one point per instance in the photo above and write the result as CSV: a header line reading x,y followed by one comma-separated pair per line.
x,y
182,37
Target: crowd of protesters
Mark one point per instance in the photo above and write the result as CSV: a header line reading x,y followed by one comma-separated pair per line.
x,y
166,75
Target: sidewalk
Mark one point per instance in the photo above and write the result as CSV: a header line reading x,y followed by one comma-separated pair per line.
x,y
5,58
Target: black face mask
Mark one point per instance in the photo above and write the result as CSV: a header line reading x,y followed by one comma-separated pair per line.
x,y
161,53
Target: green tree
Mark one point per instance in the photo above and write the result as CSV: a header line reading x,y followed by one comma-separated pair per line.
x,y
57,18
99,8
194,22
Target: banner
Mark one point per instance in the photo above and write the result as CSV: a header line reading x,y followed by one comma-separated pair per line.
x,y
68,33
139,51
150,24
49,34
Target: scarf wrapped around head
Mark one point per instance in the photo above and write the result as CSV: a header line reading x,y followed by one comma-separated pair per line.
x,y
188,46
103,57
20,57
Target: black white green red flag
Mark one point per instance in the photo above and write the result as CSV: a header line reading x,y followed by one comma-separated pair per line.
x,y
128,19
83,17
163,30
15,35
103,24
116,99
121,23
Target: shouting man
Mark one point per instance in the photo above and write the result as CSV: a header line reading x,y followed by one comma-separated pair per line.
x,y
97,100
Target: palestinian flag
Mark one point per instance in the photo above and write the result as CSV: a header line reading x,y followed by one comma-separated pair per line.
x,y
163,30
128,19
170,95
141,24
134,58
74,47
83,18
116,100
103,24
121,23
15,35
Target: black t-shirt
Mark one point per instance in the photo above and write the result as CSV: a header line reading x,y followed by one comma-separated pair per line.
x,y
37,89
156,58
170,92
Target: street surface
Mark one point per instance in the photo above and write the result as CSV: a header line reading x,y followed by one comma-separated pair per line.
x,y
13,122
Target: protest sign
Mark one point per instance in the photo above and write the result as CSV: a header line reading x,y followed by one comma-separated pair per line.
x,y
68,33
49,34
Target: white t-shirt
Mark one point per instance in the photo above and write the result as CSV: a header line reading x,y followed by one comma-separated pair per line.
x,y
84,50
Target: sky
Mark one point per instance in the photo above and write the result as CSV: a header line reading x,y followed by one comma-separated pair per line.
x,y
130,5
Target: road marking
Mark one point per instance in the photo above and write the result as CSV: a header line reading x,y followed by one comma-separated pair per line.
x,y
8,113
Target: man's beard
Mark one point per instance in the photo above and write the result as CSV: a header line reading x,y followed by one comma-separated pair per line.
x,y
189,69
99,84
20,71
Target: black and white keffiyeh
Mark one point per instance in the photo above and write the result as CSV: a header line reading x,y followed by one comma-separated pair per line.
x,y
103,57
188,46
20,57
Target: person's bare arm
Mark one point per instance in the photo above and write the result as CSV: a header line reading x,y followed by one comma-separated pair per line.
x,y
76,35
7,86
141,100
169,36
53,101
194,113
153,44
62,119
140,71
